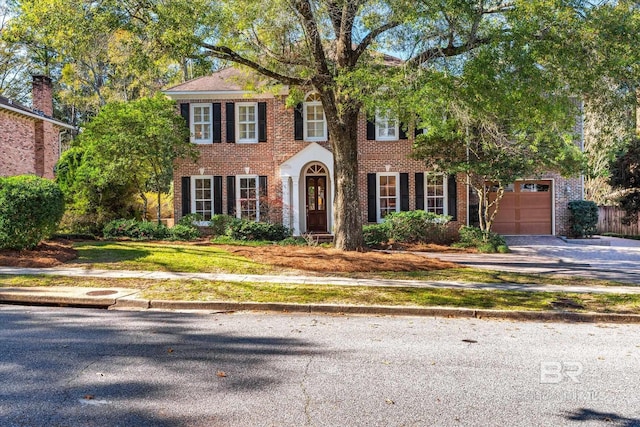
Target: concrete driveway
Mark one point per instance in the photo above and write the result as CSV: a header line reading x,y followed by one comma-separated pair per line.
x,y
602,258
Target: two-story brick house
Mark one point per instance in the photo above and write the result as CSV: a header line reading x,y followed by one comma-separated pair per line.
x,y
253,148
30,138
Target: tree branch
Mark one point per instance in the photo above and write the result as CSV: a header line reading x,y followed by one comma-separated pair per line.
x,y
223,52
369,38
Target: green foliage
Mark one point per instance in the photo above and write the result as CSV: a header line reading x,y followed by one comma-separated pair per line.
x,y
483,241
125,151
584,218
625,177
293,241
375,234
30,210
146,230
219,224
190,219
241,229
183,232
416,226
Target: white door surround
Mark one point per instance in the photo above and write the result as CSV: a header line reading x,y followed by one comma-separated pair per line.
x,y
292,174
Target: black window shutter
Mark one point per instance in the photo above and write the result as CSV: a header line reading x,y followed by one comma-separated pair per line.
x,y
419,191
231,121
452,197
404,191
184,112
372,215
371,130
262,121
298,123
231,195
217,122
401,131
186,195
217,195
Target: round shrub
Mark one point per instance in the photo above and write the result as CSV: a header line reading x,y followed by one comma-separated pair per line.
x,y
183,232
133,229
375,234
30,211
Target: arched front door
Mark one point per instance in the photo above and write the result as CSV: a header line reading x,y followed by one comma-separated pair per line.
x,y
316,198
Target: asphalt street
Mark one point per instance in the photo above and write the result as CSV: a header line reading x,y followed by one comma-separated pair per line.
x,y
79,367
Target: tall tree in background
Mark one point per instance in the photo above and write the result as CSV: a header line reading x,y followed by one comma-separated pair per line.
x,y
329,47
14,64
93,56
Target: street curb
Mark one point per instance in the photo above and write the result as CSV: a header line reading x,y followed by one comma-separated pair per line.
x,y
131,302
541,316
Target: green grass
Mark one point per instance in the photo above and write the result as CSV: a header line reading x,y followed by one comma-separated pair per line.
x,y
477,275
163,257
200,290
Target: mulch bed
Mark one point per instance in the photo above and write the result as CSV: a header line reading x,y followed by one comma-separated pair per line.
x,y
46,254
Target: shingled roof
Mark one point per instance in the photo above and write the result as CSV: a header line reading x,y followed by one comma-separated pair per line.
x,y
14,107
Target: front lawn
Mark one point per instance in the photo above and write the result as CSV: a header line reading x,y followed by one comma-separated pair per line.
x,y
189,258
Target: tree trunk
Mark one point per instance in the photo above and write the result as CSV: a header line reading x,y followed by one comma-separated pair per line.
x,y
145,204
346,207
159,209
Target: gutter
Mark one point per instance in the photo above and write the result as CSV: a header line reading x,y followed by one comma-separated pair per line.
x,y
37,116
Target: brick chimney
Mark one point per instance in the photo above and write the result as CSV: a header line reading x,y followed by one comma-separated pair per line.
x,y
43,95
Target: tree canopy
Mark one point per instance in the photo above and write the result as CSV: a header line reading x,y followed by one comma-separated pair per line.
x,y
128,148
563,47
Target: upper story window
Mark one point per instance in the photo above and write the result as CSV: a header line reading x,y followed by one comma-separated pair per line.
x,y
247,122
201,123
388,194
387,128
315,124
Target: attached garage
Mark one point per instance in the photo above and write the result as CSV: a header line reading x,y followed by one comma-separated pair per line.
x,y
525,208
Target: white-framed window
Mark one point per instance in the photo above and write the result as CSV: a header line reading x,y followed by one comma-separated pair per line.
x,y
247,122
201,124
387,126
247,197
387,193
435,193
315,123
202,197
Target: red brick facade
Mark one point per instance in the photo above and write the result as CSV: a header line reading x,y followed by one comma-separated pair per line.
x,y
283,160
29,140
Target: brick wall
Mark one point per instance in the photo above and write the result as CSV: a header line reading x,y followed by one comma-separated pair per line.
x,y
264,158
17,135
27,145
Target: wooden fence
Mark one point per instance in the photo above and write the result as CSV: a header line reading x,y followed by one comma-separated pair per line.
x,y
610,221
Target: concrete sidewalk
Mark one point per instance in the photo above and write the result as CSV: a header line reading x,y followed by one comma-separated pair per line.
x,y
309,280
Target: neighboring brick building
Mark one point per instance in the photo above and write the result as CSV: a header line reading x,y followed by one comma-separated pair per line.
x,y
30,137
253,149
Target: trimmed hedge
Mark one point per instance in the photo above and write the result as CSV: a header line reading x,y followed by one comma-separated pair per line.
x,y
30,210
473,237
147,230
408,227
583,220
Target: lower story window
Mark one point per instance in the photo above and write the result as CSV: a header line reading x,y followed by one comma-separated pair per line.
x,y
203,197
387,194
247,202
435,195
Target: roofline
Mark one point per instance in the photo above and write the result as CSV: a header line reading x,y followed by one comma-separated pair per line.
x,y
37,116
184,94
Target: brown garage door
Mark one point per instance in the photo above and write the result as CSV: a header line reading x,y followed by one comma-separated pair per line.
x,y
525,209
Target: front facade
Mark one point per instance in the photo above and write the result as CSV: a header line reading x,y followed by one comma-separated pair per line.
x,y
30,139
260,159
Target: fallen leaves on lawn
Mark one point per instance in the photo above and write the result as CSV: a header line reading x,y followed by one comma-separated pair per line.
x,y
221,374
329,260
